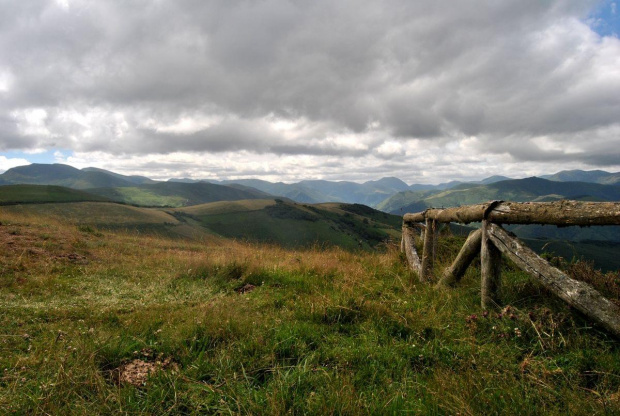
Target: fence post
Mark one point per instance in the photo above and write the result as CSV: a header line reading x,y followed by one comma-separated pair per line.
x,y
408,246
490,267
428,252
453,273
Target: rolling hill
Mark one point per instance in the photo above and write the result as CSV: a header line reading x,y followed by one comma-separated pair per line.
x,y
135,179
273,221
36,194
94,216
177,194
296,192
295,225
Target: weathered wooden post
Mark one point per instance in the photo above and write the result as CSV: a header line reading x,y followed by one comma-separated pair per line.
x,y
468,253
408,244
490,269
428,255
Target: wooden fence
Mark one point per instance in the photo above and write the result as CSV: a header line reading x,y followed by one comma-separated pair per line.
x,y
491,241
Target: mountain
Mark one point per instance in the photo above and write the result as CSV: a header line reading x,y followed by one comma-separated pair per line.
x,y
397,202
296,192
185,180
177,194
368,193
135,179
520,190
387,184
62,175
315,191
493,179
594,176
389,194
453,184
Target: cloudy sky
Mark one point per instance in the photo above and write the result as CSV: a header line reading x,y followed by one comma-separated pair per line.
x,y
286,90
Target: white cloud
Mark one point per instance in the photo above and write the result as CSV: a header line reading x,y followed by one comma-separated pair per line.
x,y
8,163
300,84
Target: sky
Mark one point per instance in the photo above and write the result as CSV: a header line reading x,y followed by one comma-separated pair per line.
x,y
285,90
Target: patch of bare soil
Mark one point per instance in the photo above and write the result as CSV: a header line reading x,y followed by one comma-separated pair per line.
x,y
35,243
73,258
246,288
16,239
137,372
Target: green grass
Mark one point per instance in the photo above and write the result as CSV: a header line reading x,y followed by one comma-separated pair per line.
x,y
324,331
603,254
29,194
177,194
141,196
258,220
296,225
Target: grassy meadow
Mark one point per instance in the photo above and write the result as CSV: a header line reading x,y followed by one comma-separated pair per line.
x,y
116,322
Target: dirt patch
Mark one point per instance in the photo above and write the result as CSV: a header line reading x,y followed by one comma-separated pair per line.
x,y
26,241
137,372
246,288
16,238
73,258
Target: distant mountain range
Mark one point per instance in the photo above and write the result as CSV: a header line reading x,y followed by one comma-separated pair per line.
x,y
387,194
594,176
520,190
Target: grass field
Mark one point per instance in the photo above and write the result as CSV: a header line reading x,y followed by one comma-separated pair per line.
x,y
101,322
16,194
292,225
273,221
145,197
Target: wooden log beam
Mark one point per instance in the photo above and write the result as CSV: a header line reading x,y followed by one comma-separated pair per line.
x,y
561,213
435,239
578,294
490,270
453,273
413,260
428,251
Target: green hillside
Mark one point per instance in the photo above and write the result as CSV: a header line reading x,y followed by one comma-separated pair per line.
x,y
177,194
596,176
93,216
369,193
520,190
272,221
603,255
295,225
29,194
396,203
135,179
296,192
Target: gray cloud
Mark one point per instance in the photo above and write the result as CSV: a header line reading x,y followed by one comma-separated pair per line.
x,y
117,76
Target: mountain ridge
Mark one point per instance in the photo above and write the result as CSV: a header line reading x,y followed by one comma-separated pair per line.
x,y
390,194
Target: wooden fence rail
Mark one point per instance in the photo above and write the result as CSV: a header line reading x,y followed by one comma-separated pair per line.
x,y
491,241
